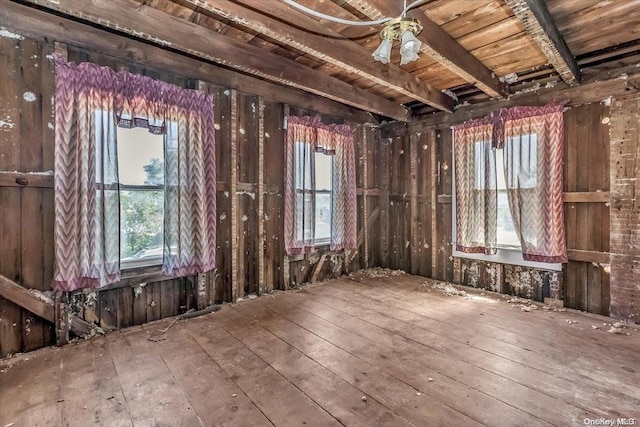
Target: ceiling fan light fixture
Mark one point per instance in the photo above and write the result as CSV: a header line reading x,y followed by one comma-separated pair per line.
x,y
383,52
402,29
409,48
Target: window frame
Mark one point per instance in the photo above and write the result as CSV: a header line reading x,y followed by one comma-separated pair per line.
x,y
504,254
152,261
326,241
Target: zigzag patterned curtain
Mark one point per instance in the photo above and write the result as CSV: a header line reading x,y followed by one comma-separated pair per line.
x,y
190,183
305,136
87,213
339,140
476,187
90,102
299,183
533,149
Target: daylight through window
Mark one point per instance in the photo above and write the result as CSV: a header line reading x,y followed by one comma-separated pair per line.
x,y
141,175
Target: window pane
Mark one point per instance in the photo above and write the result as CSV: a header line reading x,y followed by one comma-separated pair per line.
x,y
140,157
484,164
140,164
141,224
323,216
324,185
507,235
303,166
324,171
523,150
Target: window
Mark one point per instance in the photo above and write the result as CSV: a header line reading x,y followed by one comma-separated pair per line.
x,y
323,190
141,178
315,199
506,231
524,154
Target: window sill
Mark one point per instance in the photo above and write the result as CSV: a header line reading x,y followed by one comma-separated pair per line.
x,y
131,276
511,256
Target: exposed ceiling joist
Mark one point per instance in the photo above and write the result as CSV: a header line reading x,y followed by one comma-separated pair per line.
x,y
539,24
439,45
35,23
332,47
148,23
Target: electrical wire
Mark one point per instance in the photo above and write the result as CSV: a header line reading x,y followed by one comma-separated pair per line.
x,y
321,15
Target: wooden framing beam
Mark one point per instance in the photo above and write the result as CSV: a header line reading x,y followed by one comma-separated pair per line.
x,y
413,190
539,24
586,197
147,23
439,45
29,299
599,87
26,179
588,256
260,238
237,290
45,307
324,44
36,23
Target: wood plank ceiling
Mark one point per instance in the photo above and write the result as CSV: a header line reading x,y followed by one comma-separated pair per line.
x,y
472,50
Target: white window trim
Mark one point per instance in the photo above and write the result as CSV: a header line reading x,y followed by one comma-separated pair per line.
x,y
504,255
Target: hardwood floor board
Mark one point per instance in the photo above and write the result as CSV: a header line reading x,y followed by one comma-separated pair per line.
x,y
91,389
30,389
150,390
307,357
341,399
508,323
215,397
573,356
398,395
280,401
517,319
452,381
551,385
460,361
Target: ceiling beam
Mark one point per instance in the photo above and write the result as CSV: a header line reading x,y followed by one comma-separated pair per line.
x,y
147,23
539,24
30,22
439,45
317,40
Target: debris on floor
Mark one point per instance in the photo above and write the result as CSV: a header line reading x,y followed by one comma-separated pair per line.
x,y
617,328
448,289
516,300
377,272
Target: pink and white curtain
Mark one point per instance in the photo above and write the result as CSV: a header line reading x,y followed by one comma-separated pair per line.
x,y
533,140
338,139
476,189
90,102
306,136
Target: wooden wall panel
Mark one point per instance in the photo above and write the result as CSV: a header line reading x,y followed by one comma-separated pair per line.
x,y
26,145
443,176
586,284
426,181
625,213
224,244
274,200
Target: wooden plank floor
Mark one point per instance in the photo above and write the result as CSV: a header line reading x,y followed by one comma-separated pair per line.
x,y
360,350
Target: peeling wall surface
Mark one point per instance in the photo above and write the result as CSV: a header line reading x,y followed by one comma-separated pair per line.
x,y
625,209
